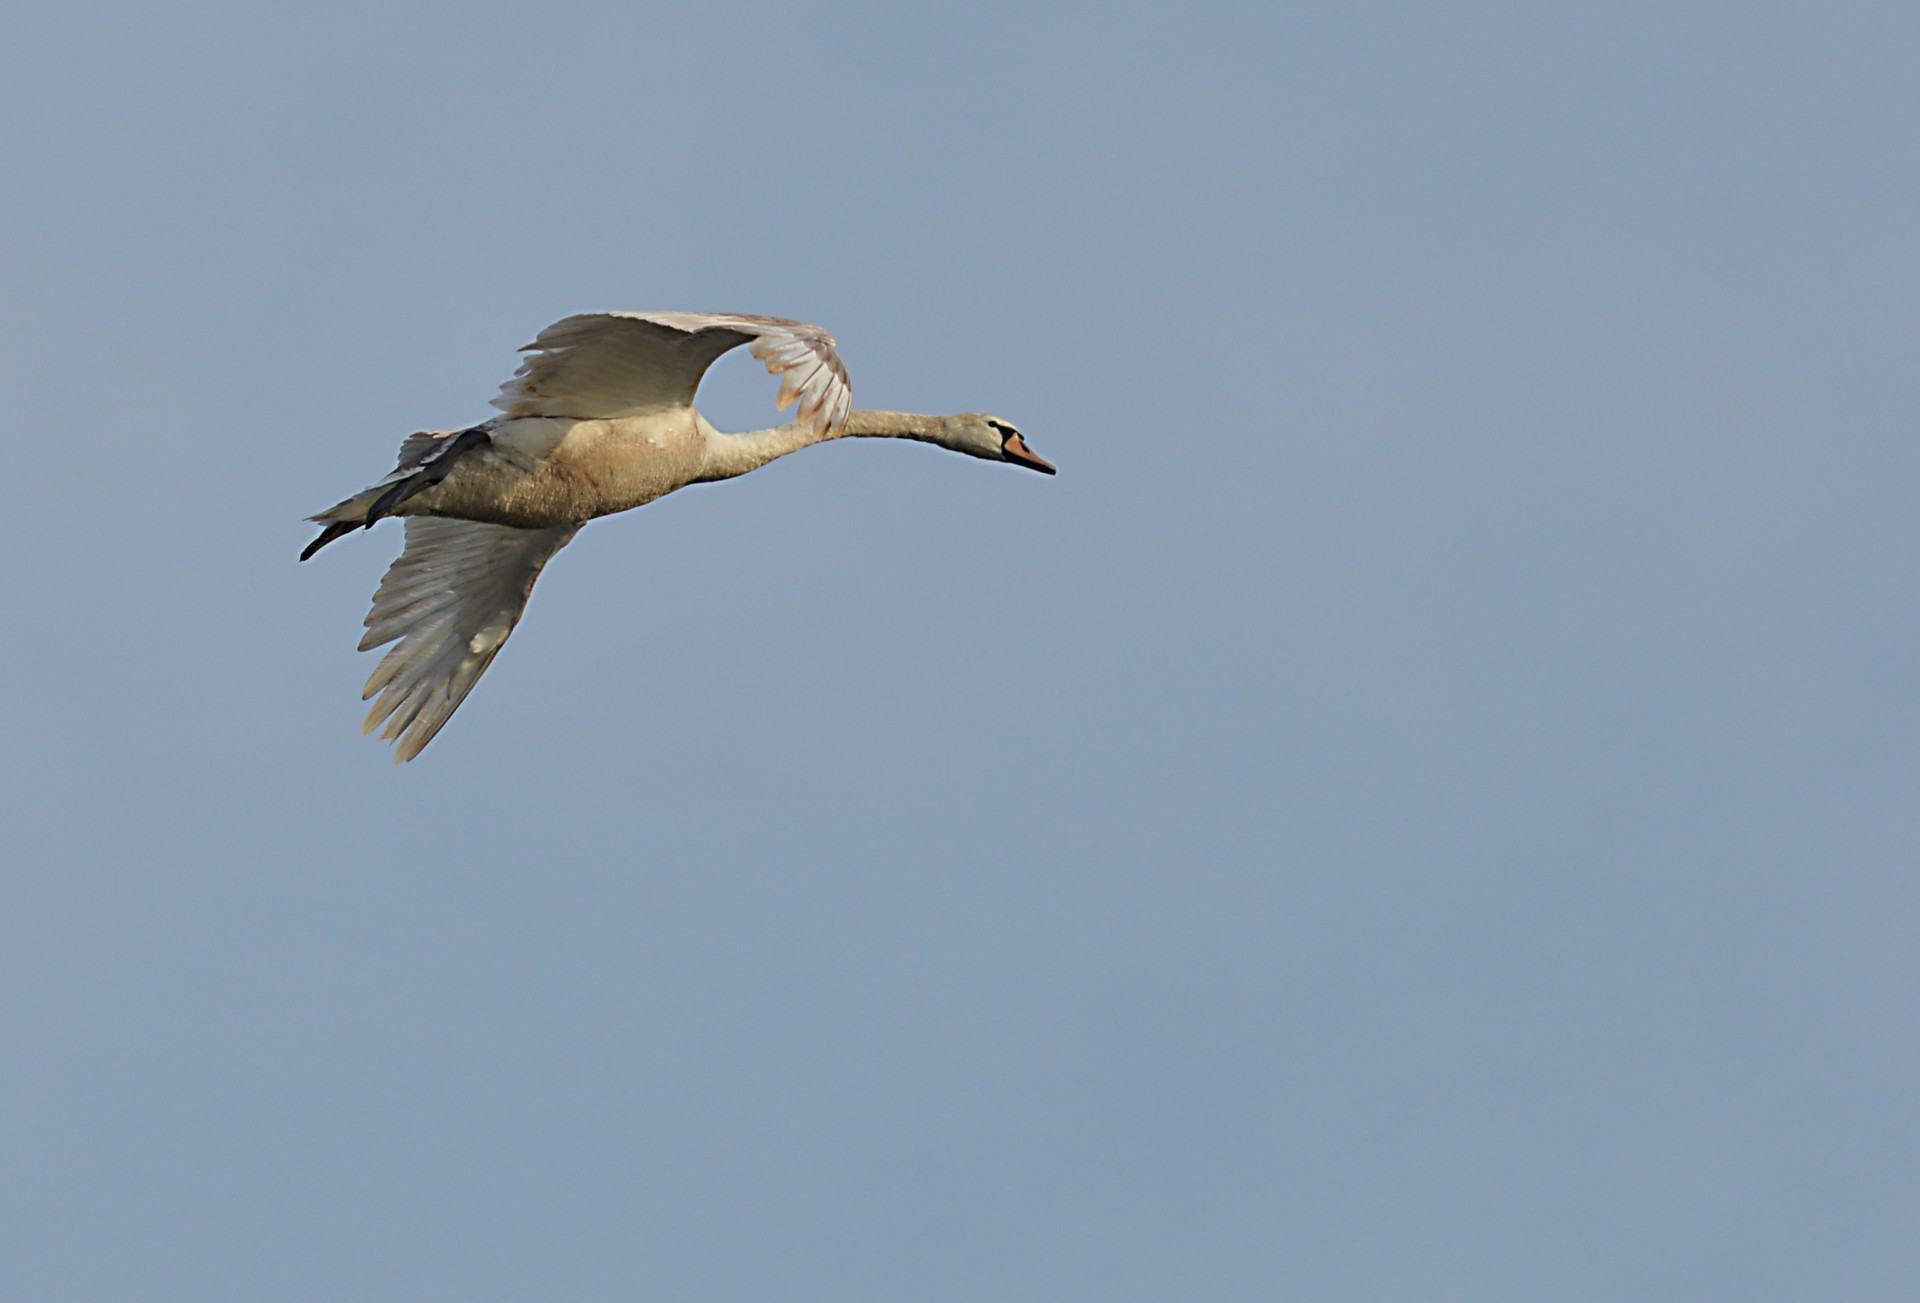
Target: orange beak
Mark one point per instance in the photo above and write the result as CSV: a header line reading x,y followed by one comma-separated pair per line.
x,y
1016,451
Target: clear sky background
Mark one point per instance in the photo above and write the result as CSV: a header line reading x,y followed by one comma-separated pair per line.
x,y
1422,807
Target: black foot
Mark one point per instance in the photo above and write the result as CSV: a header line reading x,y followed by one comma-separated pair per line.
x,y
428,475
338,529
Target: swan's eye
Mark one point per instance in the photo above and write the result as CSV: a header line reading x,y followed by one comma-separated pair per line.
x,y
1006,431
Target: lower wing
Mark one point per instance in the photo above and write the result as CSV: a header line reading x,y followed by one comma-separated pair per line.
x,y
451,598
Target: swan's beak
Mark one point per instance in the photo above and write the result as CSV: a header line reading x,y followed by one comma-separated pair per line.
x,y
1016,451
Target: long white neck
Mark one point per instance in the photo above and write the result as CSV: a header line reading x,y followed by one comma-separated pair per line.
x,y
736,454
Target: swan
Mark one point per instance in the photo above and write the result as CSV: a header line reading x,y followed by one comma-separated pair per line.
x,y
598,419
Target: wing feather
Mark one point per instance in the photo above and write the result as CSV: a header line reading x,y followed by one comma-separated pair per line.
x,y
602,365
451,598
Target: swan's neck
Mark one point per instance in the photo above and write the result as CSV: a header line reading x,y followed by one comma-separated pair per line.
x,y
736,454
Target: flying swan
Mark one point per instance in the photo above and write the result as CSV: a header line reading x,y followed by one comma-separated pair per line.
x,y
598,419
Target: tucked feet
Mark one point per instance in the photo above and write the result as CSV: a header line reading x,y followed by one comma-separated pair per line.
x,y
429,474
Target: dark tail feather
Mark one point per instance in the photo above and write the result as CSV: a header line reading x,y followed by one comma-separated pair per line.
x,y
336,529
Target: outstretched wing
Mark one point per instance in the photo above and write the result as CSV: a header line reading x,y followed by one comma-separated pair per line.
x,y
451,598
611,364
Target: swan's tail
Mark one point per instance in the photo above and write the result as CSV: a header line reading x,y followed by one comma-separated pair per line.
x,y
366,508
357,512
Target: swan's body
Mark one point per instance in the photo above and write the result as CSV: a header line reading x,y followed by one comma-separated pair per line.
x,y
598,420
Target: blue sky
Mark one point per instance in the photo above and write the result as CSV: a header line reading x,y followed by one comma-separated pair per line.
x,y
1422,806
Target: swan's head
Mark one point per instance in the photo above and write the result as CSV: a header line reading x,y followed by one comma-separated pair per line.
x,y
980,435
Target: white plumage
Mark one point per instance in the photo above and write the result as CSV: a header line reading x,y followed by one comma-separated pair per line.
x,y
451,599
598,419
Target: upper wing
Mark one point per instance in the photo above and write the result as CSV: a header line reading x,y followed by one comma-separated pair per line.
x,y
451,598
612,364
